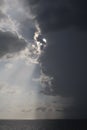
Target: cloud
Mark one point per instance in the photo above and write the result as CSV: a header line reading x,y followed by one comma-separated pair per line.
x,y
14,47
21,18
42,109
8,89
46,109
64,24
10,43
9,66
56,15
1,2
65,54
6,21
50,108
45,82
26,110
20,21
2,15
65,60
59,21
33,2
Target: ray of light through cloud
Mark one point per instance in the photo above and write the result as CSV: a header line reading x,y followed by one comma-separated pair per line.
x,y
21,95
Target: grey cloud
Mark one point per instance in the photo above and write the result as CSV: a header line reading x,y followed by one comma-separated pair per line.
x,y
22,22
66,53
59,59
50,108
27,29
42,109
23,17
1,2
7,89
33,2
58,110
10,43
2,15
55,15
65,57
47,91
26,111
55,109
65,60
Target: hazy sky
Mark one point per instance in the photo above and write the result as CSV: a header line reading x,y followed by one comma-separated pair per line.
x,y
43,59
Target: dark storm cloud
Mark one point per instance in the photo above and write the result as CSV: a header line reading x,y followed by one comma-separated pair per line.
x,y
59,14
65,56
65,60
10,43
65,25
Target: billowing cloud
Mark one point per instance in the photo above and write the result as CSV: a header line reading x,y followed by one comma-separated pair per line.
x,y
20,18
21,21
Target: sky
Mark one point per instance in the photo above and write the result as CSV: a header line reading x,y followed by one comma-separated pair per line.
x,y
43,59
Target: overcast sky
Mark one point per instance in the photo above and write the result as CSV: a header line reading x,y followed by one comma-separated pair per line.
x,y
43,59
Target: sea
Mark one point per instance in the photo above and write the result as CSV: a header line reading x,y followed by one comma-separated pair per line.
x,y
43,124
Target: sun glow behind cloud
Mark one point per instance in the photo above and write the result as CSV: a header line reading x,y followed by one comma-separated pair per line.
x,y
20,92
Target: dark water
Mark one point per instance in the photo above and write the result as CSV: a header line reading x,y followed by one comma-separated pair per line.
x,y
43,124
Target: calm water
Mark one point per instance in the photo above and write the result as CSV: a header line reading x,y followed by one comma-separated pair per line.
x,y
42,124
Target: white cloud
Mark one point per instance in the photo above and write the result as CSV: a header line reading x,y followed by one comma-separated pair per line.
x,y
8,66
45,81
18,15
7,24
8,89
